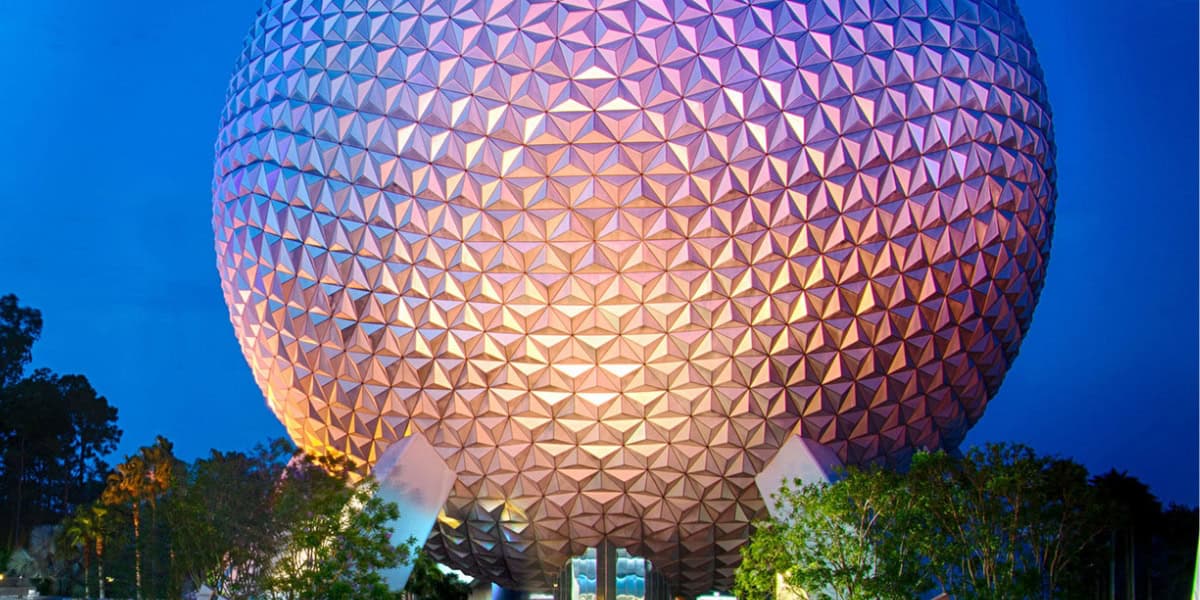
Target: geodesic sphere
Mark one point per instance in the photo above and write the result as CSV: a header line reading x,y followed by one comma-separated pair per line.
x,y
606,256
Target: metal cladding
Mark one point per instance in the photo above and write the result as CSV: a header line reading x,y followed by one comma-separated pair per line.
x,y
607,256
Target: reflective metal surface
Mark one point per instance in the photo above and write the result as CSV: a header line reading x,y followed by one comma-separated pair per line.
x,y
606,256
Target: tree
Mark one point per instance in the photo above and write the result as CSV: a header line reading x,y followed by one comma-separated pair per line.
x,y
335,534
1004,522
276,522
127,486
1064,520
160,462
76,533
846,540
20,327
1180,528
763,558
428,582
94,433
1131,517
100,518
53,431
33,432
142,478
1000,522
221,519
85,530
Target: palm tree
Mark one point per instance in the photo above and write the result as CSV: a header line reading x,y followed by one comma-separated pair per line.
x,y
160,467
99,520
127,485
81,530
77,533
143,477
159,460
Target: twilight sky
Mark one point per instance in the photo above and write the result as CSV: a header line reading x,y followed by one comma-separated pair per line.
x,y
110,109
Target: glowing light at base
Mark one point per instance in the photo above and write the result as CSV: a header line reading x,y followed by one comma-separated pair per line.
x,y
606,257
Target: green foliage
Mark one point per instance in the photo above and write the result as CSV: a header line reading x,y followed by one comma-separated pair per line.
x,y
1001,522
267,523
20,327
83,533
849,540
428,582
225,519
53,432
763,557
335,535
1004,522
1180,527
223,530
141,480
1141,550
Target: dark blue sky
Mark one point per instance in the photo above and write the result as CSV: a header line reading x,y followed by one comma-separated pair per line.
x,y
109,111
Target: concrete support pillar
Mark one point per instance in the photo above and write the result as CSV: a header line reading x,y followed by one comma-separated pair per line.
x,y
656,585
798,458
565,588
606,571
412,474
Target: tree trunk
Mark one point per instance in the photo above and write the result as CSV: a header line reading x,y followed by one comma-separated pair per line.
x,y
137,551
66,491
152,543
87,571
14,534
1112,567
100,564
1131,566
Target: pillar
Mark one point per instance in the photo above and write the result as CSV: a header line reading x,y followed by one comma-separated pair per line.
x,y
606,571
413,475
798,458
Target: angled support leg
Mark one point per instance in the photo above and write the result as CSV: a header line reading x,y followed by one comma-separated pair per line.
x,y
799,458
414,476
